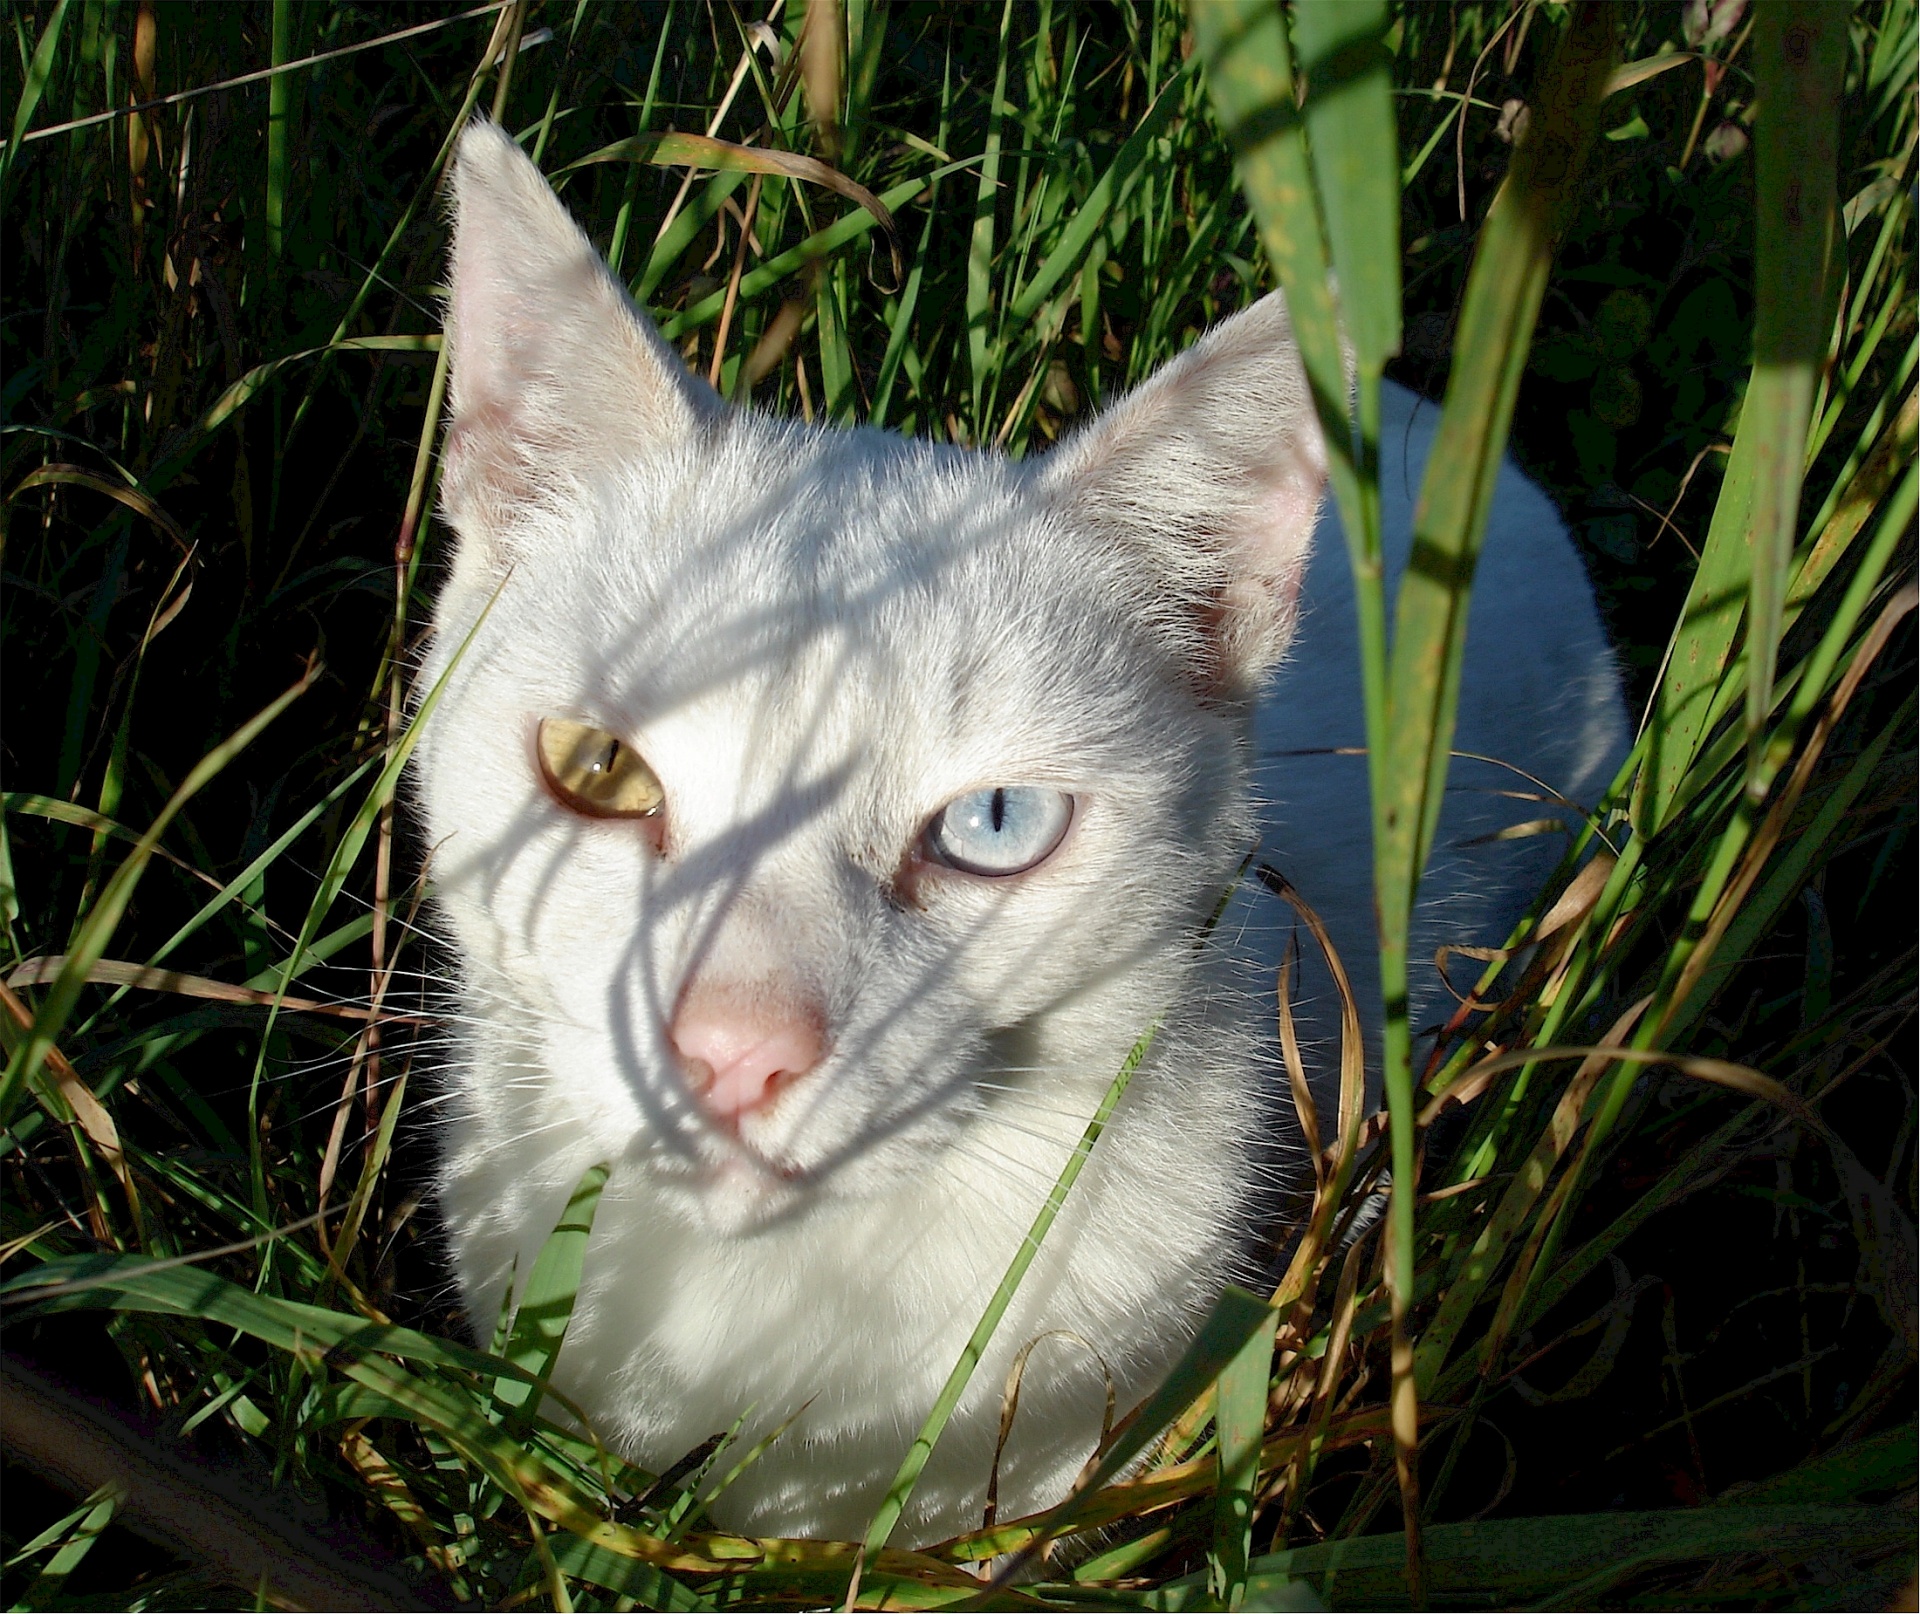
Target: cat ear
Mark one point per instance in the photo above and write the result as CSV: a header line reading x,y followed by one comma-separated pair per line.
x,y
554,371
1212,469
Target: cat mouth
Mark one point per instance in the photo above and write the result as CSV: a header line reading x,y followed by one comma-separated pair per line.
x,y
743,1162
720,1161
742,1192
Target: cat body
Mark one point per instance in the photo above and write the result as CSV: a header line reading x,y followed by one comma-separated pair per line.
x,y
914,774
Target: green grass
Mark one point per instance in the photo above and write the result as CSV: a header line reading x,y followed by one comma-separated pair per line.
x,y
1649,1311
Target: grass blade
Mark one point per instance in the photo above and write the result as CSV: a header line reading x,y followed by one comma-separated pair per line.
x,y
1240,1421
1503,298
1236,1318
96,933
697,151
1110,193
980,342
279,110
901,1490
1701,648
1571,1560
821,244
137,1283
39,70
1351,140
1250,76
243,390
1503,295
546,1304
1800,52
645,1585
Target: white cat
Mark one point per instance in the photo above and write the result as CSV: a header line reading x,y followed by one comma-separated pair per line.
x,y
820,818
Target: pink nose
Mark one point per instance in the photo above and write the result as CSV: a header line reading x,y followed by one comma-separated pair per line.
x,y
737,1059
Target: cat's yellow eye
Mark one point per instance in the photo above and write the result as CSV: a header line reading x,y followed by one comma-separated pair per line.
x,y
595,772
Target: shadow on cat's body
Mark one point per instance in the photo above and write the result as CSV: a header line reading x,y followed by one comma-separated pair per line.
x,y
821,643
1539,693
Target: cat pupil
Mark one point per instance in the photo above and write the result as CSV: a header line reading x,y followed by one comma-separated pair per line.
x,y
1002,829
593,772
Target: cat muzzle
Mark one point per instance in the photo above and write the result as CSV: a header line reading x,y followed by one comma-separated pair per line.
x,y
738,1059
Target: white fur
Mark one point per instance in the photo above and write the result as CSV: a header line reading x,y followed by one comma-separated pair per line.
x,y
817,639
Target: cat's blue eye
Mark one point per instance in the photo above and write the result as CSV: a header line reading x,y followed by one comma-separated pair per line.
x,y
1005,830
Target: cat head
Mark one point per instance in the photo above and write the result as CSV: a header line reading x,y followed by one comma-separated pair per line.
x,y
798,796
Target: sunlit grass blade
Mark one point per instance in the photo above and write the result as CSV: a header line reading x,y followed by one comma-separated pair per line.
x,y
243,391
1496,324
67,812
1502,301
1240,1420
900,1492
1196,1477
1251,79
1702,646
1236,1318
685,226
1351,148
76,1540
980,334
1110,191
93,1282
697,151
1862,487
231,891
357,1348
1343,56
546,1303
903,309
1514,1212
128,493
820,245
1746,843
646,1586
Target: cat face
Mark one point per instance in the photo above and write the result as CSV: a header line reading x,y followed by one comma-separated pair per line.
x,y
795,794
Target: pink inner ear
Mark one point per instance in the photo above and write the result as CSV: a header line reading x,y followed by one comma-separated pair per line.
x,y
554,373
1278,537
510,337
484,467
481,343
1268,546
